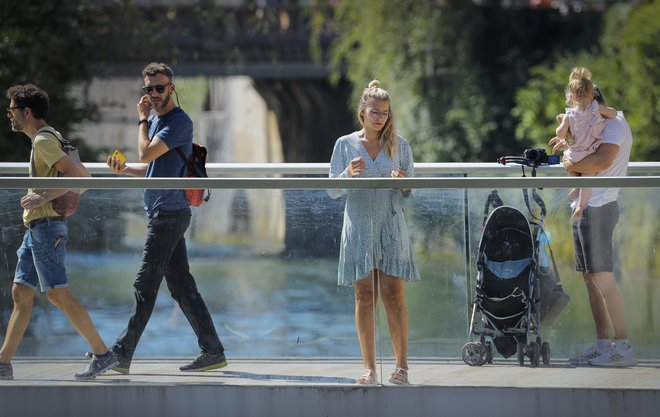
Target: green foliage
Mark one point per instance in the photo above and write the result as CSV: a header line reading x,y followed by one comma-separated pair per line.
x,y
625,65
45,43
60,44
543,98
640,61
453,69
373,47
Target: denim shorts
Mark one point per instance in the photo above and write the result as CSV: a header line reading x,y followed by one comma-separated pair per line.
x,y
592,238
41,256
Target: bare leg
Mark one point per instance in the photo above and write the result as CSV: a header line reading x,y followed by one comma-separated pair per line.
x,y
575,192
366,295
393,295
598,309
612,301
582,201
79,318
23,297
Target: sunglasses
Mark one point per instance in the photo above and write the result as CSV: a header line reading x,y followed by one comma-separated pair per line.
x,y
160,89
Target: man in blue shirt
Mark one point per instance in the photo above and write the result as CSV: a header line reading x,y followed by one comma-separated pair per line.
x,y
165,254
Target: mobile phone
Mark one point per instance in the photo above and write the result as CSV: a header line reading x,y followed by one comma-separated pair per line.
x,y
119,156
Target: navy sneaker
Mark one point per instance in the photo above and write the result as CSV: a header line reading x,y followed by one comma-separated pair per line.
x,y
122,368
98,365
6,371
205,362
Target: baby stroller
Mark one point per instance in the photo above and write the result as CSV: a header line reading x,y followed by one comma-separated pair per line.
x,y
516,290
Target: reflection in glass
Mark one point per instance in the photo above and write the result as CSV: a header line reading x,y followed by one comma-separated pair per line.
x,y
271,286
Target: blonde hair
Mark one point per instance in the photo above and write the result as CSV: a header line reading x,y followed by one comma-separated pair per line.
x,y
388,138
580,89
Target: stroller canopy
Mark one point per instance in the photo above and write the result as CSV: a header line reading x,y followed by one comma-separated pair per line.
x,y
506,252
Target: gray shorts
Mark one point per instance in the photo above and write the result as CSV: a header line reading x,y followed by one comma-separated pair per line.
x,y
592,238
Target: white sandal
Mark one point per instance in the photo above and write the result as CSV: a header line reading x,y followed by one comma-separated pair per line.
x,y
399,377
368,377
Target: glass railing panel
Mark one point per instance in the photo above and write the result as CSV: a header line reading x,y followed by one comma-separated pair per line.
x,y
635,257
437,303
265,262
440,304
636,269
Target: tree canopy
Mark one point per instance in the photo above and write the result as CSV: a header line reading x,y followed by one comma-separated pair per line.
x,y
471,83
45,43
625,64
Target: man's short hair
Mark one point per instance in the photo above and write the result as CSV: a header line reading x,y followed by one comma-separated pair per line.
x,y
31,96
156,68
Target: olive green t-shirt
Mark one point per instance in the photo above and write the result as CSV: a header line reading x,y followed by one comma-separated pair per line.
x,y
46,151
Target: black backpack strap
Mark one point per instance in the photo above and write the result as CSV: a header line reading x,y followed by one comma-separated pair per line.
x,y
191,168
554,264
539,201
184,159
61,141
494,200
537,198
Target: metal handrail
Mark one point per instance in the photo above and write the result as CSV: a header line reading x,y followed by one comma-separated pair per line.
x,y
329,183
421,168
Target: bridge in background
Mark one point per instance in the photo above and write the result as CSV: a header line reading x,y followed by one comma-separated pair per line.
x,y
269,43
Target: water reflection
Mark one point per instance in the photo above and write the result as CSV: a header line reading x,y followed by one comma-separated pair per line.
x,y
289,305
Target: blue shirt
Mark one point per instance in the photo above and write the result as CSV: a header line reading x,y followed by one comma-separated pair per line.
x,y
175,129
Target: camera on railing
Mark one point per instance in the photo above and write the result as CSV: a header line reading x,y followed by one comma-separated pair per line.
x,y
532,158
540,156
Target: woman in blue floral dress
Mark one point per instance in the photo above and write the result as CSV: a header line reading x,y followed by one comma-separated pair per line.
x,y
375,242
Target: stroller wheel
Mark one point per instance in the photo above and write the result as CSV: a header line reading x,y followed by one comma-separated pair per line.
x,y
534,354
545,353
473,353
521,354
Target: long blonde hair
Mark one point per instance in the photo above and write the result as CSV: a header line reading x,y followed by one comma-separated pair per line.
x,y
580,89
387,138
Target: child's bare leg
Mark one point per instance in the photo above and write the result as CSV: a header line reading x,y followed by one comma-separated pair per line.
x,y
582,201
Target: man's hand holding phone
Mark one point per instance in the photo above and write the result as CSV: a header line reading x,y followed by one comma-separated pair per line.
x,y
117,161
144,107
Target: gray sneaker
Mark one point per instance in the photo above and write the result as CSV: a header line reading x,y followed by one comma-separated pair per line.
x,y
6,371
592,352
123,367
616,358
97,366
205,362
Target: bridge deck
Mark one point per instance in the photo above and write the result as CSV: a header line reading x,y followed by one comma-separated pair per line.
x,y
326,387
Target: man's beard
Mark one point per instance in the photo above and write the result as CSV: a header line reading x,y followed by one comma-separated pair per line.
x,y
164,102
16,126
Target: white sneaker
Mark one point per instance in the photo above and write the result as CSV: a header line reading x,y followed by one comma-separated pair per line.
x,y
592,352
616,358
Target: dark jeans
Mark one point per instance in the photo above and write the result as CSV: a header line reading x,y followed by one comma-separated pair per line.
x,y
165,255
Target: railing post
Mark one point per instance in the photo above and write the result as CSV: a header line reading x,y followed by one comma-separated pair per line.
x,y
468,275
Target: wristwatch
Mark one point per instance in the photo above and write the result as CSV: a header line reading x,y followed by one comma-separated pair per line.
x,y
143,121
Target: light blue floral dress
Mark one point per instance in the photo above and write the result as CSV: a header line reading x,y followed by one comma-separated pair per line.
x,y
374,235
